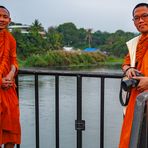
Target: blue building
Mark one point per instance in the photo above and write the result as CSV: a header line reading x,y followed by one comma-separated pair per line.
x,y
89,49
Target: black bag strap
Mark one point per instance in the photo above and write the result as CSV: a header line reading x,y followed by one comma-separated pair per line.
x,y
127,96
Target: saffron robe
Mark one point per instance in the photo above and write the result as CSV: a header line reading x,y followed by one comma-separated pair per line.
x,y
10,130
141,63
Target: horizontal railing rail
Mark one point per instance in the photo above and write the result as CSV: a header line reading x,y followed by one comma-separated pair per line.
x,y
71,73
79,123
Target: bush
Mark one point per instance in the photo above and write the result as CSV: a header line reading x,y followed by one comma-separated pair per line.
x,y
64,58
36,61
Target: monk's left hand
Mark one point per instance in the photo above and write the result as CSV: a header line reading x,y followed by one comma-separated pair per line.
x,y
143,83
6,84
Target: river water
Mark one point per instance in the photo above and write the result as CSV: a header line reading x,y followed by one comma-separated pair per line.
x,y
90,113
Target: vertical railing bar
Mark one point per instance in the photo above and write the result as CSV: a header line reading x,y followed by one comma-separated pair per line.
x,y
17,84
57,110
17,90
102,114
37,111
79,109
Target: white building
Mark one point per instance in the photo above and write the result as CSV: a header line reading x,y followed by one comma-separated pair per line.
x,y
23,28
65,48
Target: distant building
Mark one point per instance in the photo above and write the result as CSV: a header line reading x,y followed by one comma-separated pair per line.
x,y
65,48
91,49
23,28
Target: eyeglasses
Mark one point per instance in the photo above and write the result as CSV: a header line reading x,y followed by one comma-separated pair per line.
x,y
144,17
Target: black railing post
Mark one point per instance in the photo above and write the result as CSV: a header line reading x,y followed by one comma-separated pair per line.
x,y
57,110
79,124
17,90
37,111
102,114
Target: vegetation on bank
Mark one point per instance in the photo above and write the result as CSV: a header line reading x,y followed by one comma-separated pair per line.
x,y
63,58
71,60
44,48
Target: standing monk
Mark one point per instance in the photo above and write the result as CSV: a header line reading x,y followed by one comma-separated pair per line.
x,y
10,131
136,60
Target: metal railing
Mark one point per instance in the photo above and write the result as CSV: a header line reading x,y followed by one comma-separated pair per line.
x,y
139,133
79,123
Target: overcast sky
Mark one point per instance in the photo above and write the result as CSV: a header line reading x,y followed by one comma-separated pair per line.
x,y
103,15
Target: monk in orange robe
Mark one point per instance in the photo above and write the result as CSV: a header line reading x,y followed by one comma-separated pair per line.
x,y
133,62
10,131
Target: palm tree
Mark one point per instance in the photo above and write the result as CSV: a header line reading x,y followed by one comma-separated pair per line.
x,y
36,26
89,36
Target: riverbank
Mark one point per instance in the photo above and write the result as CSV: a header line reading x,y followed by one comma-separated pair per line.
x,y
70,60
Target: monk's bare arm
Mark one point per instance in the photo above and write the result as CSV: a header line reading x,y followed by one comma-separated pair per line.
x,y
11,74
13,59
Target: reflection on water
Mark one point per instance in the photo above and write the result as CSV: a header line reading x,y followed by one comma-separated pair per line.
x,y
91,112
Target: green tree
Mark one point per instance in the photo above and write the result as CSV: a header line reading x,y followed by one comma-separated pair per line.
x,y
54,38
69,33
115,43
81,43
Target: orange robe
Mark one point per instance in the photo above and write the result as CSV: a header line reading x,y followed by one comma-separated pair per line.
x,y
10,130
141,65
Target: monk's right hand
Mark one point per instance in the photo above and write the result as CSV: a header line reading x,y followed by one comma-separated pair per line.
x,y
143,83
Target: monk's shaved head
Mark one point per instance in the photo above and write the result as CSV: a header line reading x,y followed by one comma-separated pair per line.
x,y
5,9
140,5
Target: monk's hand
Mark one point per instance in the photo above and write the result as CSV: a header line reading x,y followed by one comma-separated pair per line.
x,y
6,83
143,83
10,76
131,72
